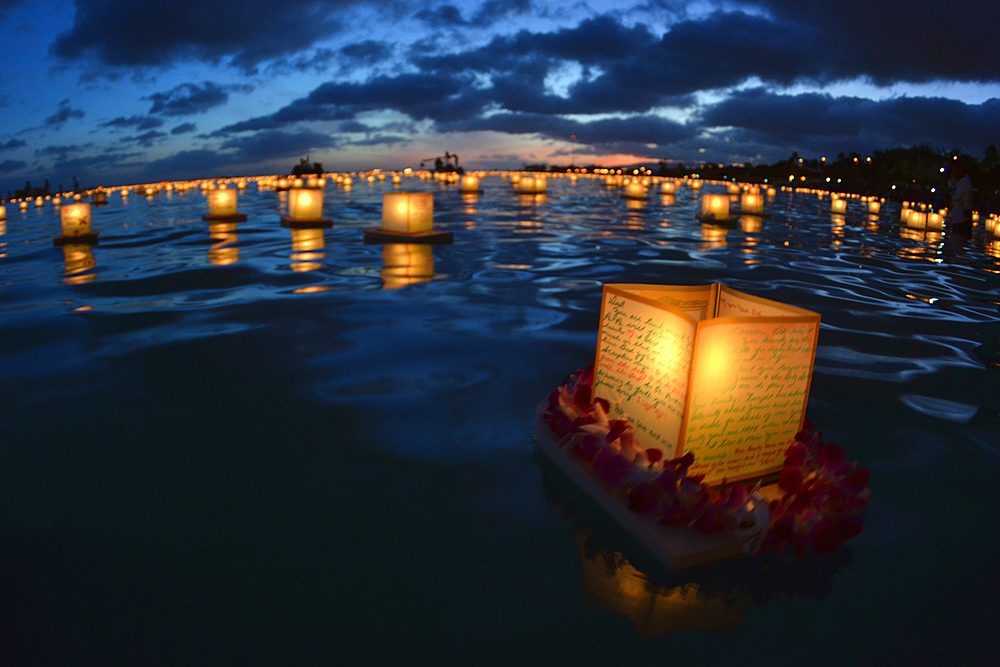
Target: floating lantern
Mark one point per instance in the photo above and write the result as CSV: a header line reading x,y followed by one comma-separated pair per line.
x,y
838,206
296,183
635,190
348,181
532,185
282,184
714,206
771,192
695,184
874,206
77,197
313,182
406,264
935,221
751,203
222,206
732,188
470,183
396,179
39,202
76,225
381,177
917,219
3,212
409,217
668,188
23,205
305,209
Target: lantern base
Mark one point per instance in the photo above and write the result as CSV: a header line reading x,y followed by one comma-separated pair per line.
x,y
756,215
636,197
671,547
314,223
375,235
471,192
714,220
83,239
235,217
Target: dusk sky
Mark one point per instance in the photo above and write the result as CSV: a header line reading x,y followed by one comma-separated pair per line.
x,y
129,91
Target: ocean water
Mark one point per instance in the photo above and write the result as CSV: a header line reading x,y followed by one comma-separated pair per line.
x,y
232,444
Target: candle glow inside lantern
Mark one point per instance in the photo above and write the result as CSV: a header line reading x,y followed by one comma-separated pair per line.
x,y
715,206
305,204
771,192
874,206
668,188
838,206
470,183
917,219
935,221
3,212
751,203
635,190
408,212
222,202
76,220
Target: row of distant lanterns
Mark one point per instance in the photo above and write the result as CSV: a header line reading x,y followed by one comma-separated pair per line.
x,y
306,196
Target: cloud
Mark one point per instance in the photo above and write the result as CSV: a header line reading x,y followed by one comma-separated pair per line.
x,y
145,139
63,113
8,166
369,51
161,32
60,152
183,128
441,16
271,144
138,122
190,98
12,144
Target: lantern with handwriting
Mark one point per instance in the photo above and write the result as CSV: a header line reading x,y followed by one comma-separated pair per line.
x,y
708,370
305,209
714,207
76,225
222,206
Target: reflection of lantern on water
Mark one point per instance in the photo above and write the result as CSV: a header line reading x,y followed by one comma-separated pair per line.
x,y
715,206
406,264
224,250
408,212
79,258
531,200
873,222
611,582
667,200
993,248
713,236
752,203
304,204
838,206
306,244
751,224
469,202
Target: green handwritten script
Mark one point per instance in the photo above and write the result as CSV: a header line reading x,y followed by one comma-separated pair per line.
x,y
643,365
748,396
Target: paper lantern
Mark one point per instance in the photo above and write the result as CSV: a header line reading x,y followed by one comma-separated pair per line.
x,y
838,206
935,221
305,204
312,182
917,219
381,177
77,197
695,185
668,188
874,206
751,203
3,212
39,202
738,369
715,206
732,188
282,183
348,181
771,192
635,190
408,212
76,220
470,183
406,264
396,179
23,205
222,202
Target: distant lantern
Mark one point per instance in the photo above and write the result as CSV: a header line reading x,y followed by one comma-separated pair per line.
x,y
282,184
874,206
470,183
396,179
3,212
313,182
23,205
752,203
668,187
56,201
771,192
838,206
715,206
39,202
348,181
532,185
222,207
77,197
733,188
695,184
635,190
296,183
381,176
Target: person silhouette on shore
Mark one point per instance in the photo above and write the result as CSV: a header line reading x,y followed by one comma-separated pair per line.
x,y
960,189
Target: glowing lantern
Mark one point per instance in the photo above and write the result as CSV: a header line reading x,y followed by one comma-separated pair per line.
x,y
408,212
838,206
304,204
282,183
470,183
23,205
3,212
76,220
917,219
296,183
222,202
406,264
935,221
313,182
750,359
77,197
635,190
668,188
39,202
348,181
56,201
695,185
874,206
714,206
771,192
396,179
751,203
732,188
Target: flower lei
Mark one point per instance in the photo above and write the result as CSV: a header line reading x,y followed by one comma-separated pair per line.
x,y
823,505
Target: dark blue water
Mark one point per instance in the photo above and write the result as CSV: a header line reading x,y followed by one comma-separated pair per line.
x,y
228,445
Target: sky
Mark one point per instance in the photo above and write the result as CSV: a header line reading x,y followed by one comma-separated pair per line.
x,y
133,91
